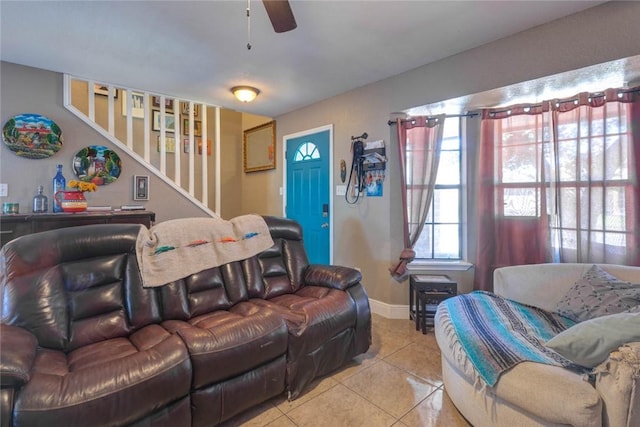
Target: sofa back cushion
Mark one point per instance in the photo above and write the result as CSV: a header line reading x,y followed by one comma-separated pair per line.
x,y
543,285
278,270
75,286
217,288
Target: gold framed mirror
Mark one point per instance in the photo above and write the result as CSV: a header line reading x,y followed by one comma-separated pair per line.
x,y
259,151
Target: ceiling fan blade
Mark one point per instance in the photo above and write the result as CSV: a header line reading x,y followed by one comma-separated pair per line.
x,y
280,14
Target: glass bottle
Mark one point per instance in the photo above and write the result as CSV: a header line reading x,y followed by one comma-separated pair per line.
x,y
40,202
59,184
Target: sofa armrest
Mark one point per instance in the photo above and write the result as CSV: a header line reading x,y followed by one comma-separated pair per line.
x,y
618,383
18,353
331,276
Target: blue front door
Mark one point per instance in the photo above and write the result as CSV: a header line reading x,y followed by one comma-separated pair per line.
x,y
308,191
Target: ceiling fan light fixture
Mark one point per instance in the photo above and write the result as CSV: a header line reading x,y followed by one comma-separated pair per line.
x,y
245,93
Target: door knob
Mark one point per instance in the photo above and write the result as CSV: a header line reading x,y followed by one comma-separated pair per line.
x,y
325,225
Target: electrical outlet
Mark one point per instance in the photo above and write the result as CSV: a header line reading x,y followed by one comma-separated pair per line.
x,y
4,190
341,190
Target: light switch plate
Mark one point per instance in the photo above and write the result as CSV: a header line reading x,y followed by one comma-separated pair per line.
x,y
341,190
4,190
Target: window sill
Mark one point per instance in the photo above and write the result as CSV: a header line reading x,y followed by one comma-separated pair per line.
x,y
419,266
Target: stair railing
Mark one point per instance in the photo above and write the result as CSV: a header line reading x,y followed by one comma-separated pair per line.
x,y
136,104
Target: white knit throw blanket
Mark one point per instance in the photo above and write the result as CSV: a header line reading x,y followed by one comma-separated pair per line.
x,y
176,249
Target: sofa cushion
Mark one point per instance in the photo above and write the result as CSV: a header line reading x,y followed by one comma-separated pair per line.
x,y
589,343
120,380
321,323
223,344
552,393
598,293
314,315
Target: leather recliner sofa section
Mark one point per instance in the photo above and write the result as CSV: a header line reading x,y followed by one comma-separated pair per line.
x,y
83,343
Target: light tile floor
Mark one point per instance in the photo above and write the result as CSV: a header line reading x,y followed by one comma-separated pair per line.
x,y
398,382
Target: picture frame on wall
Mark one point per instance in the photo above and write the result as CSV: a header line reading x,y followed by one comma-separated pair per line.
x,y
168,104
103,90
140,187
199,143
137,106
186,146
197,127
169,122
169,144
259,148
185,109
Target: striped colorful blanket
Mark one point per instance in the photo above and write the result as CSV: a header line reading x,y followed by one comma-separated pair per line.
x,y
497,333
175,249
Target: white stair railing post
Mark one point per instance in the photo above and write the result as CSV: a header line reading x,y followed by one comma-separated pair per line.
x,y
177,142
205,158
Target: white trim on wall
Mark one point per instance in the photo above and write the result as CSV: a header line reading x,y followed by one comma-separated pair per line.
x,y
390,311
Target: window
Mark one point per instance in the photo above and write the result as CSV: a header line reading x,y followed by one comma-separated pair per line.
x,y
593,169
306,151
519,170
573,176
441,236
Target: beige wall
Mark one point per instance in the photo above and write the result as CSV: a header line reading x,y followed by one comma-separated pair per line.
x,y
368,236
257,197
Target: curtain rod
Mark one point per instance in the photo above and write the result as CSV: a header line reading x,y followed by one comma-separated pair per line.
x,y
593,95
393,122
564,101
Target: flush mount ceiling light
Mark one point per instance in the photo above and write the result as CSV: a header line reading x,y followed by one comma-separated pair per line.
x,y
245,93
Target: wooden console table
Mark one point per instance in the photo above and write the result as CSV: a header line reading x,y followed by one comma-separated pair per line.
x,y
13,226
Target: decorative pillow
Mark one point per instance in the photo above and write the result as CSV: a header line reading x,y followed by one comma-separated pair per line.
x,y
589,343
598,293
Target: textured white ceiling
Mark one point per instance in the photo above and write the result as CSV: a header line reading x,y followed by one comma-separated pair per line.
x,y
197,49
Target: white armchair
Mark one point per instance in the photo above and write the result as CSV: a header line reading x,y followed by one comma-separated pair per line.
x,y
533,394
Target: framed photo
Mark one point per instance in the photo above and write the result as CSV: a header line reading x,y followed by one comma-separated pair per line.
x,y
197,127
168,104
104,90
137,105
186,146
169,122
169,144
185,109
199,143
260,148
140,187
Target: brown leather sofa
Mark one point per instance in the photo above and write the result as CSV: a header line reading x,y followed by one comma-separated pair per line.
x,y
84,344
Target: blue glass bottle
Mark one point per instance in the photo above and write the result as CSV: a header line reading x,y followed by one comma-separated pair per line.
x,y
59,184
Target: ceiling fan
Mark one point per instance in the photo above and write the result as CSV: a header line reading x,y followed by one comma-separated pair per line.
x,y
280,14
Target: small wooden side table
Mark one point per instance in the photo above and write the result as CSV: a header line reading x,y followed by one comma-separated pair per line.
x,y
425,293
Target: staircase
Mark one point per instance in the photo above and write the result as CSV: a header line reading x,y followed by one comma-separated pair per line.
x,y
177,140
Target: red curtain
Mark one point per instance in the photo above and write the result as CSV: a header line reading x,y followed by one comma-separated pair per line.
x,y
503,240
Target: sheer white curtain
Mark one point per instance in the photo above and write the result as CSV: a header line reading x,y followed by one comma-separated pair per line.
x,y
419,143
594,214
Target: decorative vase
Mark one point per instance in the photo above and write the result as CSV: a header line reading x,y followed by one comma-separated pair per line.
x,y
71,201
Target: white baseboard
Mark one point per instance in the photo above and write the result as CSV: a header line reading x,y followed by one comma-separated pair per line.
x,y
388,310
